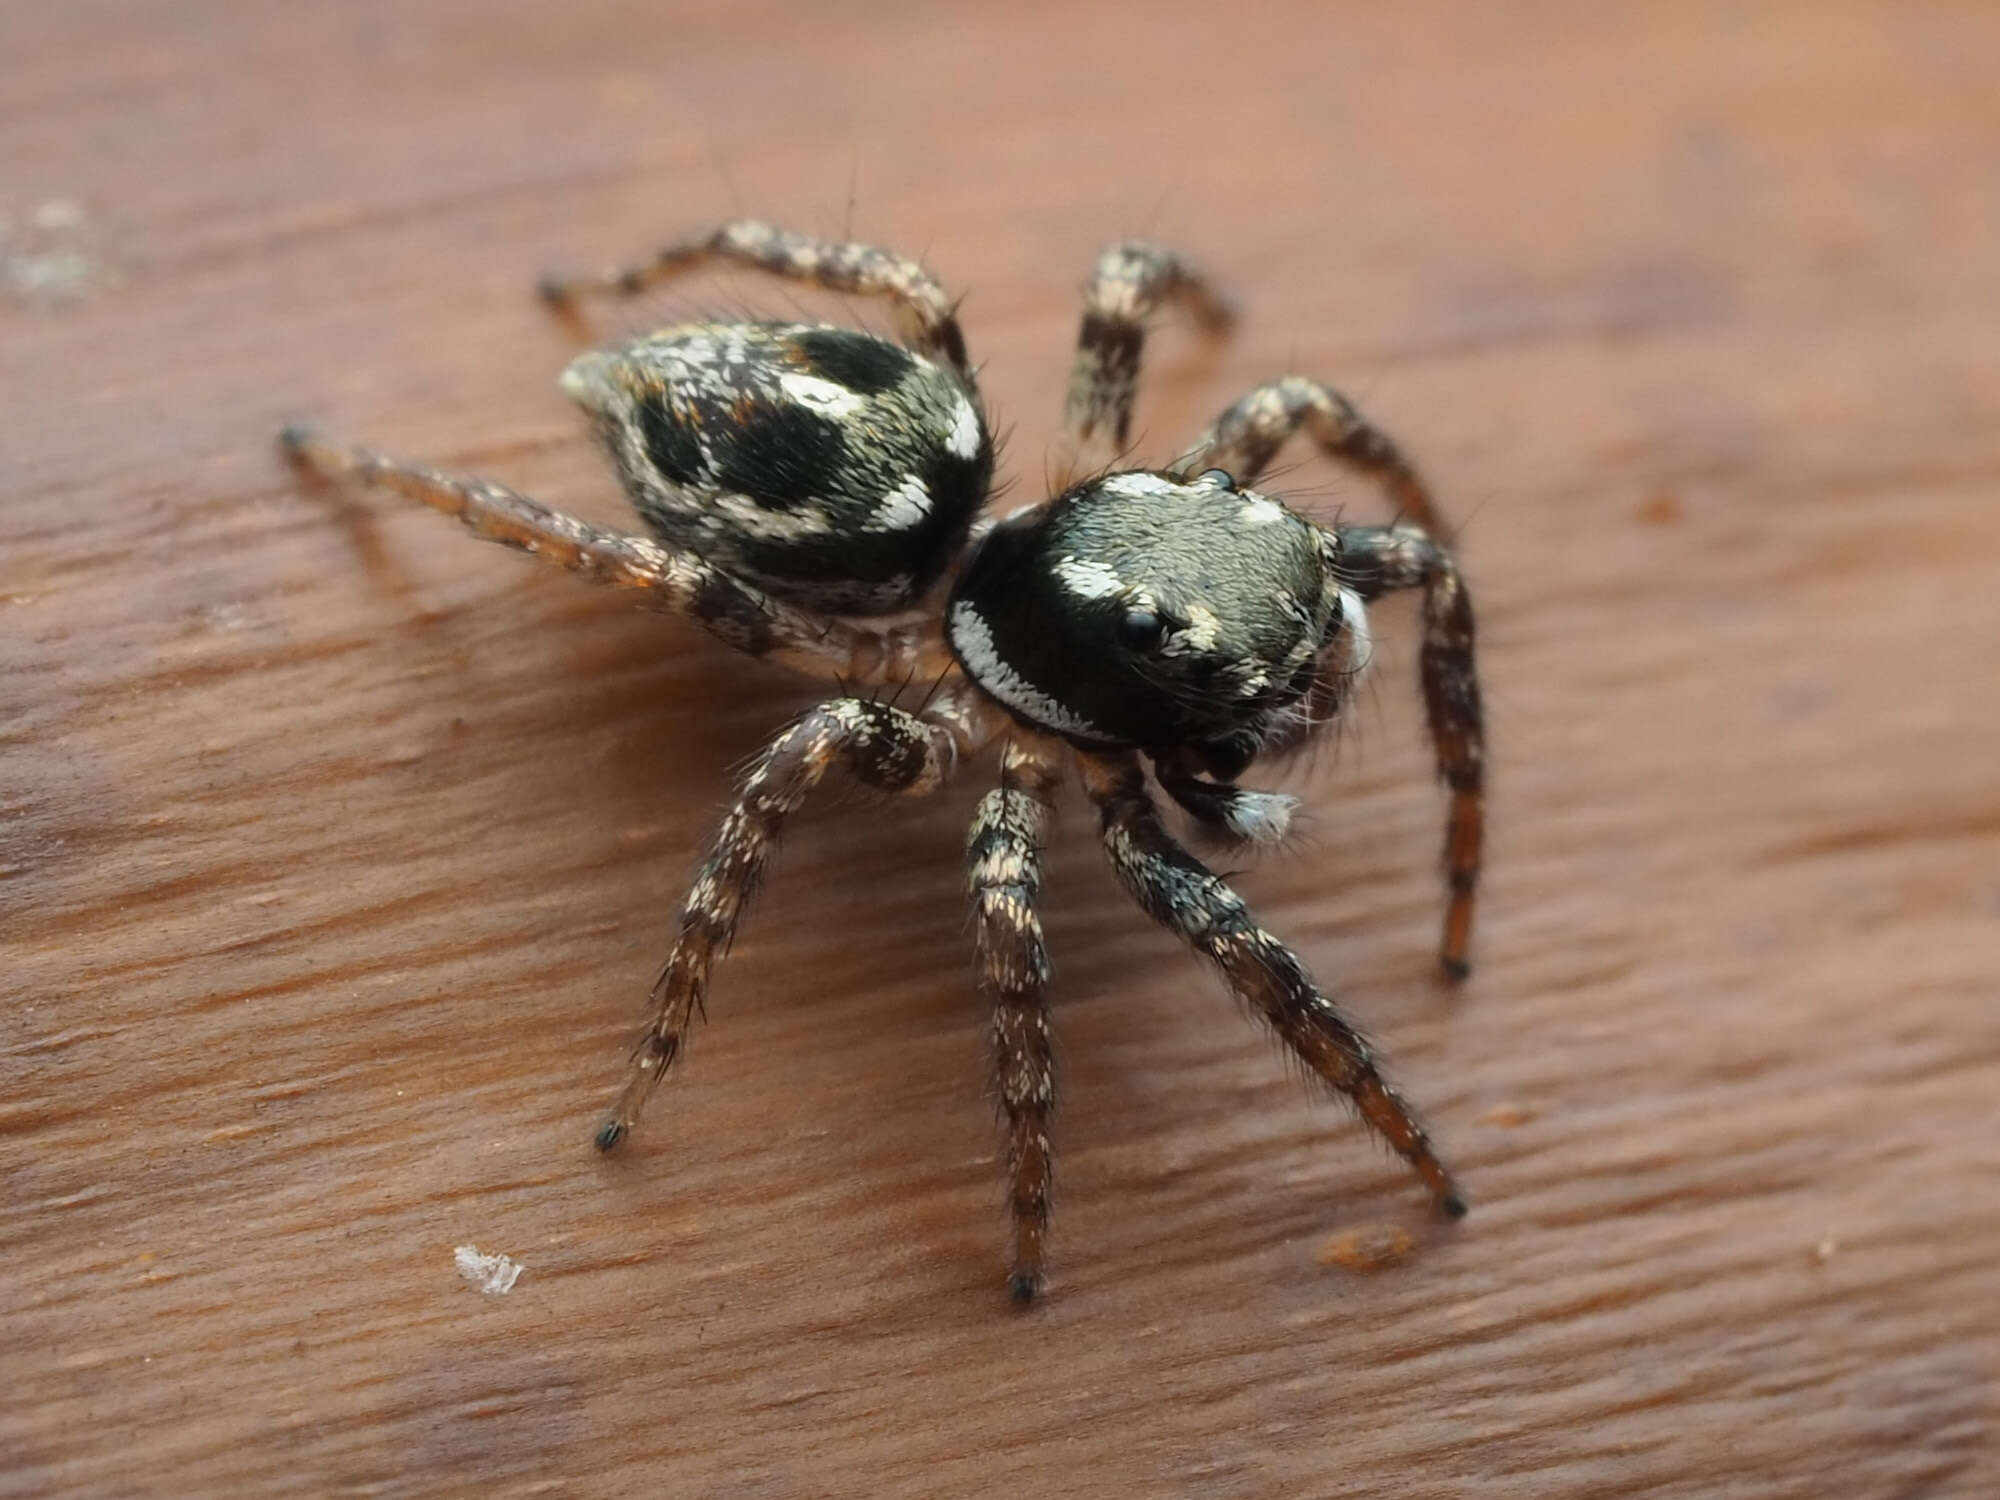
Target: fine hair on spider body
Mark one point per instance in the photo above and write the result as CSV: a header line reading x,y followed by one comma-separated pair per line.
x,y
813,494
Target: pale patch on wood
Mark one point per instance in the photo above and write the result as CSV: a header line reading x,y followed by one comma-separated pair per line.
x,y
1372,1247
492,1274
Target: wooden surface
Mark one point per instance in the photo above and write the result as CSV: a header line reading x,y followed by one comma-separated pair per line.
x,y
338,851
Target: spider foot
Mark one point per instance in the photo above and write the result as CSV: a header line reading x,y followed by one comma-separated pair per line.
x,y
648,1064
1457,935
564,296
309,453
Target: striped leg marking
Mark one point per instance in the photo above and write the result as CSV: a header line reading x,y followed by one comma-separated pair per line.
x,y
1245,438
881,746
672,581
1004,872
1129,282
1185,897
1378,560
930,316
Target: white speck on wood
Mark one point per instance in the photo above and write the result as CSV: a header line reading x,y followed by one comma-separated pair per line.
x,y
492,1274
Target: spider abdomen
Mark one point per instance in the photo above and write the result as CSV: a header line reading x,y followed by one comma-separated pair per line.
x,y
833,469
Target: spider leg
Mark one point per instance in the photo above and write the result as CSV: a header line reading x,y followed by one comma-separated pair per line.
x,y
672,580
1376,560
929,314
1184,896
1129,281
881,746
1004,872
1244,439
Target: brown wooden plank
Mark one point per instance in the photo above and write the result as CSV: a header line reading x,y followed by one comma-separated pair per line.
x,y
337,852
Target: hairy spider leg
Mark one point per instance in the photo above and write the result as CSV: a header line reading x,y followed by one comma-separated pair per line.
x,y
672,580
1188,899
1245,438
1004,873
929,314
880,746
1130,281
1376,560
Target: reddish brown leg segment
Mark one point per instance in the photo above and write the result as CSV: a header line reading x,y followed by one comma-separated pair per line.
x,y
1377,560
1189,900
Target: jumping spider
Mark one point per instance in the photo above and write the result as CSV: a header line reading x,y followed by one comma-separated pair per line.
x,y
813,496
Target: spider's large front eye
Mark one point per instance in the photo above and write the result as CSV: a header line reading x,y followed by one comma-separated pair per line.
x,y
1220,479
1142,629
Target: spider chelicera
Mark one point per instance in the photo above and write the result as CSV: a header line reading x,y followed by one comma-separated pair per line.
x,y
813,496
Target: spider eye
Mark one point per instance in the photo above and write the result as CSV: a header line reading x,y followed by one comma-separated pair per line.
x,y
1220,479
1142,630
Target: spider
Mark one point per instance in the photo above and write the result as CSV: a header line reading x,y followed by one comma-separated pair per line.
x,y
813,496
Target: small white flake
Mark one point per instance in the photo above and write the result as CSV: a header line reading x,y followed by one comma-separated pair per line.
x,y
55,255
492,1274
57,214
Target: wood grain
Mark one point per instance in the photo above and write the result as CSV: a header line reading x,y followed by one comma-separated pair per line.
x,y
337,851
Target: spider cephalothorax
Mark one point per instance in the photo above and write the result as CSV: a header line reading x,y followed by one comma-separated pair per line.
x,y
1142,610
813,496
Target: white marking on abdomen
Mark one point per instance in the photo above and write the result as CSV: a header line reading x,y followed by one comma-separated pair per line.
x,y
903,507
769,524
820,395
